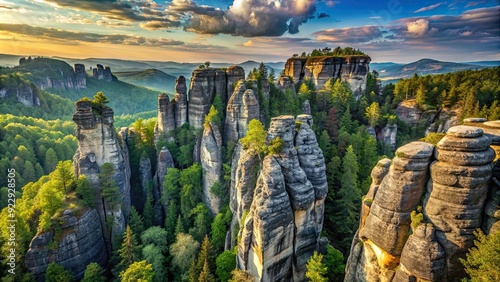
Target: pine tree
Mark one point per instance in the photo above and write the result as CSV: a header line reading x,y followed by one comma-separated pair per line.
x,y
94,273
483,260
148,212
100,100
316,271
255,138
206,254
205,275
348,200
64,175
171,221
50,160
109,189
135,221
179,227
57,273
129,252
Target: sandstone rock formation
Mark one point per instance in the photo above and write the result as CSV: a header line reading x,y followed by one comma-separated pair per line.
x,y
52,73
285,218
180,101
165,161
205,84
25,94
81,242
244,171
320,69
435,120
306,107
145,177
166,119
241,108
453,207
80,77
97,145
211,162
455,199
388,135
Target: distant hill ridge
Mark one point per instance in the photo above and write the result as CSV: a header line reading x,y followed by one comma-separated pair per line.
x,y
389,70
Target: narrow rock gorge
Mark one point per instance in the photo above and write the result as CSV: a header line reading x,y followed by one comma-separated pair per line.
x,y
422,208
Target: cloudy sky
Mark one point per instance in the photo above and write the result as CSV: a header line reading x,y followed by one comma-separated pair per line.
x,y
240,30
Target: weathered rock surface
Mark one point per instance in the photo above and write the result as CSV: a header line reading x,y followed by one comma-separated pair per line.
x,y
285,219
25,94
241,108
205,84
166,118
306,107
80,76
456,196
165,161
244,171
321,69
456,202
388,135
266,247
99,144
435,120
211,162
145,176
180,101
81,243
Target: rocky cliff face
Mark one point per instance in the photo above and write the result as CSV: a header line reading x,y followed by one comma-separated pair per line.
x,y
81,243
282,228
320,69
205,84
438,120
241,108
211,161
80,76
166,117
102,73
25,94
458,172
180,101
99,144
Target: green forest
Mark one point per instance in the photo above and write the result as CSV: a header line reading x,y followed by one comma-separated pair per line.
x,y
189,244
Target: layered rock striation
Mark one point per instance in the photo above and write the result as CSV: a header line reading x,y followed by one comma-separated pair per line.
x,y
241,108
352,69
79,243
443,211
211,162
25,94
98,144
282,228
205,84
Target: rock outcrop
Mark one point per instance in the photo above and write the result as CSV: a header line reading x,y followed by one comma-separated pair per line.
x,y
145,177
241,108
25,94
452,208
180,101
98,144
79,243
166,118
456,196
388,136
102,73
205,84
435,120
285,218
80,77
244,171
211,162
352,69
165,161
